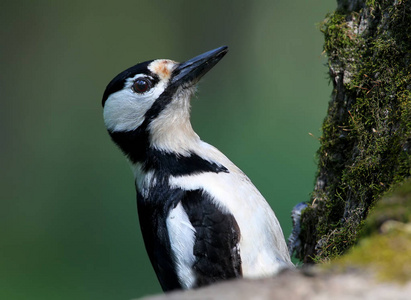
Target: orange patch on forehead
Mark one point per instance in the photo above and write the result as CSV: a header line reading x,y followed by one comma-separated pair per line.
x,y
162,67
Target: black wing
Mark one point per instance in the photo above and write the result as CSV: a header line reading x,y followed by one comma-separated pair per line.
x,y
217,237
152,215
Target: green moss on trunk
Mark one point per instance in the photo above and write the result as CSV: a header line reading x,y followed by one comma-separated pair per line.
x,y
366,140
385,246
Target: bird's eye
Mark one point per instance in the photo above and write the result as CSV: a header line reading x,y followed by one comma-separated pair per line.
x,y
141,85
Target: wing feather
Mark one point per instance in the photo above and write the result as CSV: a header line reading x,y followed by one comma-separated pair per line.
x,y
217,238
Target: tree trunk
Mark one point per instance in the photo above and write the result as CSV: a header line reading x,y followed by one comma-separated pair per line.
x,y
366,140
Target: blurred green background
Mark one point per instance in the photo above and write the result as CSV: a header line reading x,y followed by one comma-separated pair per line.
x,y
69,227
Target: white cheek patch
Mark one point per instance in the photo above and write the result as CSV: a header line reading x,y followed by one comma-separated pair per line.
x,y
125,109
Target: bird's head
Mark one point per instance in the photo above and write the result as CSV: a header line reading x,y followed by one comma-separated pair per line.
x,y
148,105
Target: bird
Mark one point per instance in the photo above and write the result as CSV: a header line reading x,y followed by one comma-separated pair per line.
x,y
201,218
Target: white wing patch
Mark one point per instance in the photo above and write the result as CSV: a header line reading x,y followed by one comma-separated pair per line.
x,y
182,238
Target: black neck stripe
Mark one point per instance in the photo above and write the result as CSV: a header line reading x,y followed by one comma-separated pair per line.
x,y
135,145
178,165
162,101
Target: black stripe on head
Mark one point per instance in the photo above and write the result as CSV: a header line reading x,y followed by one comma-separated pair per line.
x,y
162,101
135,143
117,83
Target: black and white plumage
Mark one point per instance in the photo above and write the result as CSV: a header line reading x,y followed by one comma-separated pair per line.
x,y
201,218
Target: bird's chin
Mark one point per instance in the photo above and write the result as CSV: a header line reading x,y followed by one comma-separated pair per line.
x,y
187,90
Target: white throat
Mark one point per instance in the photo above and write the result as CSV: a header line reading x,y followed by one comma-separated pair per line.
x,y
171,130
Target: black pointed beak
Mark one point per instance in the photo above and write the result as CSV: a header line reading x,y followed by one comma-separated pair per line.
x,y
192,70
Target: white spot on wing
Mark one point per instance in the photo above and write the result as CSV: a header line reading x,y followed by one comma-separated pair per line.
x,y
182,237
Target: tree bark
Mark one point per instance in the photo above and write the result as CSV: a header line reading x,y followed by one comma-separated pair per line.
x,y
366,136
